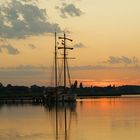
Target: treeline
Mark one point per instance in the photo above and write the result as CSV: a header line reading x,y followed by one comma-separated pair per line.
x,y
110,90
79,89
22,90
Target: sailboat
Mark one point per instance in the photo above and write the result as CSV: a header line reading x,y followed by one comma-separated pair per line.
x,y
62,93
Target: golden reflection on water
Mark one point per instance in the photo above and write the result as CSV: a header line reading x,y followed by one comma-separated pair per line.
x,y
88,119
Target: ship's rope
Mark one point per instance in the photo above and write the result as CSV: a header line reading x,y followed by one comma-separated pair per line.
x,y
68,72
52,75
60,71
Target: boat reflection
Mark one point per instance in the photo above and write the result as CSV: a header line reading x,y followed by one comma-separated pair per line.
x,y
61,116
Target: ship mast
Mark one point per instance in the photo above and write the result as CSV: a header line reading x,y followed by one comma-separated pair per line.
x,y
65,64
56,85
64,56
55,62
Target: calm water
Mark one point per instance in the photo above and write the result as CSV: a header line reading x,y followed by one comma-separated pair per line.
x,y
88,119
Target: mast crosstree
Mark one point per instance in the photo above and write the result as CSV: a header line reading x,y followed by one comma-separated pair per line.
x,y
65,63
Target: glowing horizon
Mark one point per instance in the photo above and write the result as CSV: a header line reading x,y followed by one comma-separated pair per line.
x,y
105,37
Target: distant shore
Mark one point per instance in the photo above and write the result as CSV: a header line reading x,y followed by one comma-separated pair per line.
x,y
37,92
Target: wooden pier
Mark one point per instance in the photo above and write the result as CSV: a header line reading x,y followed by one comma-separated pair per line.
x,y
23,99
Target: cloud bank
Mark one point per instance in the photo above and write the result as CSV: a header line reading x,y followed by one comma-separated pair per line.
x,y
10,49
122,60
21,19
69,10
79,45
32,46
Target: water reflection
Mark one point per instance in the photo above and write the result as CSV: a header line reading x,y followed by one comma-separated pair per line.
x,y
88,119
64,114
37,122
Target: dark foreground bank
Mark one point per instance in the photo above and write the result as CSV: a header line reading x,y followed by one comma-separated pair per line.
x,y
36,93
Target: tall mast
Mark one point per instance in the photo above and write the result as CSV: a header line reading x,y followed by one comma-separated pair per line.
x,y
64,56
56,85
65,62
55,61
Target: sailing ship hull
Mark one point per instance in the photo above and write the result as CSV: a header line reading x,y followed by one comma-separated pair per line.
x,y
67,97
60,97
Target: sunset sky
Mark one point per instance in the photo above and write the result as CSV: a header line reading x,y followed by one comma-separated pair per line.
x,y
105,33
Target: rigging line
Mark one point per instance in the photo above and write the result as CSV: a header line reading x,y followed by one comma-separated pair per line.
x,y
52,74
60,73
69,78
